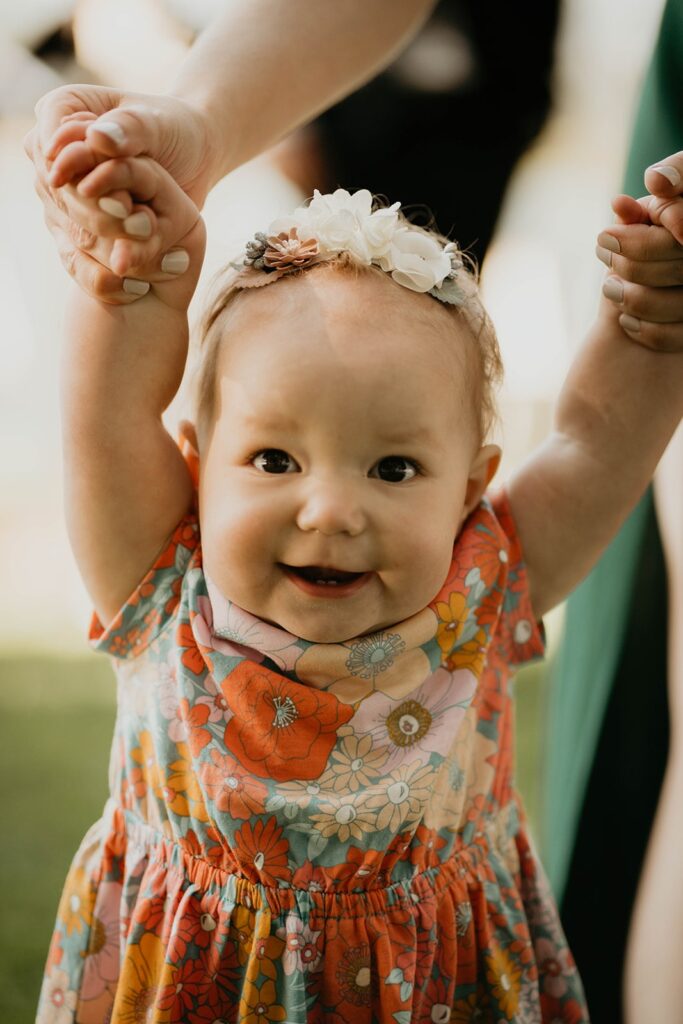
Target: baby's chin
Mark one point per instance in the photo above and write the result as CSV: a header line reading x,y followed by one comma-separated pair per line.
x,y
330,633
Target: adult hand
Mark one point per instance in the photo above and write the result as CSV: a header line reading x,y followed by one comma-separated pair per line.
x,y
644,252
80,126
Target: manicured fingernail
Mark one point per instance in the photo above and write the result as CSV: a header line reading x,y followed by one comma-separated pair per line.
x,y
630,323
138,224
113,207
670,173
175,262
133,287
112,130
613,289
604,254
608,241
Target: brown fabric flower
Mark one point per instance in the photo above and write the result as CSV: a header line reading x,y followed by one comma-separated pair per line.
x,y
287,251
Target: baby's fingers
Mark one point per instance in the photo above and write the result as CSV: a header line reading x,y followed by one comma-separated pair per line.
x,y
668,213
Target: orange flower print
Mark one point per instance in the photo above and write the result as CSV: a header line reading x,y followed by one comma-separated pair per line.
x,y
504,978
259,1005
360,868
194,718
191,656
280,730
354,975
525,644
262,852
231,788
567,1011
189,982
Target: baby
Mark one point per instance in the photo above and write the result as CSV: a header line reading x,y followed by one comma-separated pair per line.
x,y
312,814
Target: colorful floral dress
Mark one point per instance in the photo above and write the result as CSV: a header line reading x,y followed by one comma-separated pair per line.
x,y
304,832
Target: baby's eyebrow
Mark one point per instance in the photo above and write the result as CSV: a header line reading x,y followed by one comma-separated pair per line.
x,y
416,435
275,424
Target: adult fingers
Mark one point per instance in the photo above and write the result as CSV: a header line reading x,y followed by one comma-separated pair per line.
x,y
665,178
656,305
651,316
643,253
129,131
659,337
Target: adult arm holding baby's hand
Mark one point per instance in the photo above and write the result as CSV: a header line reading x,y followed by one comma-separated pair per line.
x,y
620,404
261,69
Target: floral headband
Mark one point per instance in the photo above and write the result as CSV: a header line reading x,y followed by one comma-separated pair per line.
x,y
340,222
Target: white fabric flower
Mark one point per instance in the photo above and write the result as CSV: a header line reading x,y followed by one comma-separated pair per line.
x,y
342,222
345,222
416,261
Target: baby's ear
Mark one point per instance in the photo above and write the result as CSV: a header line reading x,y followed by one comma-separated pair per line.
x,y
482,471
189,446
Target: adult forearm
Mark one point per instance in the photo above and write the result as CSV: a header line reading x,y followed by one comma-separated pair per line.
x,y
268,66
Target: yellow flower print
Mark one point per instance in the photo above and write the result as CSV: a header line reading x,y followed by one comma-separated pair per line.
x,y
259,1006
353,765
468,1010
504,977
242,931
299,793
403,795
454,618
345,816
77,902
180,788
266,953
139,981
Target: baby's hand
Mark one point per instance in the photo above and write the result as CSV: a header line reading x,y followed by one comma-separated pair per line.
x,y
644,253
124,226
136,246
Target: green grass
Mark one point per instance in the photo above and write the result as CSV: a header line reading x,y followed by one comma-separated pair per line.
x,y
56,723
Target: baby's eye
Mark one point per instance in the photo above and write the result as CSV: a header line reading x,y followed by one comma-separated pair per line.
x,y
394,469
274,460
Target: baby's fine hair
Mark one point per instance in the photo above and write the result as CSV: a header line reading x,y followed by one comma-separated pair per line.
x,y
483,361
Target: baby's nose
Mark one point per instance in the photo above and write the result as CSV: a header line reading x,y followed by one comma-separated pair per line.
x,y
332,508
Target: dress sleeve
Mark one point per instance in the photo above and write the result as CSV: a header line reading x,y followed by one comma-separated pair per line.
x,y
519,632
154,601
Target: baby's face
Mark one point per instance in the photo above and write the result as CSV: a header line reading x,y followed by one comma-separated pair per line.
x,y
336,474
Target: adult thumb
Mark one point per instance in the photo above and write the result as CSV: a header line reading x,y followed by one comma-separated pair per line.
x,y
129,131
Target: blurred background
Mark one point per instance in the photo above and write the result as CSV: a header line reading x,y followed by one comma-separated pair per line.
x,y
540,280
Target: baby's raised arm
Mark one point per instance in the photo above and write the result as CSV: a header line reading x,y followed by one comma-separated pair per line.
x,y
126,483
617,410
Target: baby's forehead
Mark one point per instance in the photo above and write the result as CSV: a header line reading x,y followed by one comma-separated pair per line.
x,y
351,319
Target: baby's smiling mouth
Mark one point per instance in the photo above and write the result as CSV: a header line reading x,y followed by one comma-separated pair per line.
x,y
323,576
322,581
